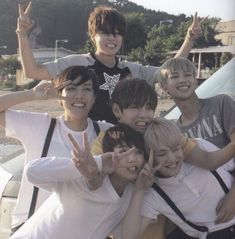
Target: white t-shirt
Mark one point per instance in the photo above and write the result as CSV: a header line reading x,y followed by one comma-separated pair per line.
x,y
195,191
31,129
80,213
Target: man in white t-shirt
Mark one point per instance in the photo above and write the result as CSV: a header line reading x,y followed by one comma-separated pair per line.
x,y
76,98
194,191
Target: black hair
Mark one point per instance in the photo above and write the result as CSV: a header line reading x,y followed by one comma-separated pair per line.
x,y
135,93
122,134
72,72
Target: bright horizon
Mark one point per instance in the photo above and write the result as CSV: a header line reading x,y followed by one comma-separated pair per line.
x,y
223,9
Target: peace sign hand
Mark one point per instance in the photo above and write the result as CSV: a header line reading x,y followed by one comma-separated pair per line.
x,y
195,30
24,23
83,159
146,175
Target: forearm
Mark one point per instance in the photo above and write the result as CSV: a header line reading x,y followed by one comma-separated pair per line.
x,y
185,48
30,67
9,100
51,170
222,156
211,160
132,222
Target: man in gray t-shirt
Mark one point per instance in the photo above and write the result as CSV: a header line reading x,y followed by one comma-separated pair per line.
x,y
212,119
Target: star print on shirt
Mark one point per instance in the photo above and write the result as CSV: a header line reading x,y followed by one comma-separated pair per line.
x,y
110,83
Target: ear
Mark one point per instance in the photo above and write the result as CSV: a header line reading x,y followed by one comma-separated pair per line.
x,y
164,86
60,102
116,110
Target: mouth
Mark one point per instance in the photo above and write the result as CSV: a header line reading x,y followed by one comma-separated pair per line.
x,y
183,87
133,169
111,45
141,124
78,105
172,165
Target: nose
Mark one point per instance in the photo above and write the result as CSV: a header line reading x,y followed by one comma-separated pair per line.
x,y
171,157
145,112
79,94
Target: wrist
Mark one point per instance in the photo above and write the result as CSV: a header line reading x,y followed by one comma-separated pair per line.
x,y
21,34
189,40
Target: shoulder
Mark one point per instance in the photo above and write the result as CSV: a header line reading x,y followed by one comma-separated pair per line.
x,y
27,114
80,59
218,99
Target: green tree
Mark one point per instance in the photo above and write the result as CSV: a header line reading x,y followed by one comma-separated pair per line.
x,y
8,66
136,31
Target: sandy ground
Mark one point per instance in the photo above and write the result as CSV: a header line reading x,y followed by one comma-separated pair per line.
x,y
52,107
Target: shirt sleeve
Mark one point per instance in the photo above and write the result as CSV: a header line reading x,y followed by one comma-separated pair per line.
x,y
47,172
148,73
56,67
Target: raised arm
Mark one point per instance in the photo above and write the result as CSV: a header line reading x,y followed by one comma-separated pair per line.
x,y
42,91
30,67
193,32
211,160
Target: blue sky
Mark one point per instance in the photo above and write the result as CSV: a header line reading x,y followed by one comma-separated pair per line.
x,y
223,9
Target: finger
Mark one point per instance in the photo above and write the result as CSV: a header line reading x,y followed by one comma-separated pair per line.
x,y
21,10
158,167
219,207
86,144
60,86
220,218
127,153
203,19
194,18
151,158
28,9
74,143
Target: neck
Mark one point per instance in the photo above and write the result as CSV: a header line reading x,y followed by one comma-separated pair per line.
x,y
76,124
118,183
107,60
189,109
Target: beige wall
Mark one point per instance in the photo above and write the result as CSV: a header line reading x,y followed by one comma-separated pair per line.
x,y
226,32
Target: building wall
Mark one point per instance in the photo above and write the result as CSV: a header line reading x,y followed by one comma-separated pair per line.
x,y
226,32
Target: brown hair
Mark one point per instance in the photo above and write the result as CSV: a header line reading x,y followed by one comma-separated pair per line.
x,y
106,19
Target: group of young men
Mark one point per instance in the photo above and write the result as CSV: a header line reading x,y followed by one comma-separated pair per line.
x,y
87,196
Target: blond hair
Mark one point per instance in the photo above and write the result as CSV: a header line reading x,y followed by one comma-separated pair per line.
x,y
162,131
173,65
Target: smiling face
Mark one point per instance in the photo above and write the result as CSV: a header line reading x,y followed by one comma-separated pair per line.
x,y
181,84
165,139
107,43
177,77
170,158
78,99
